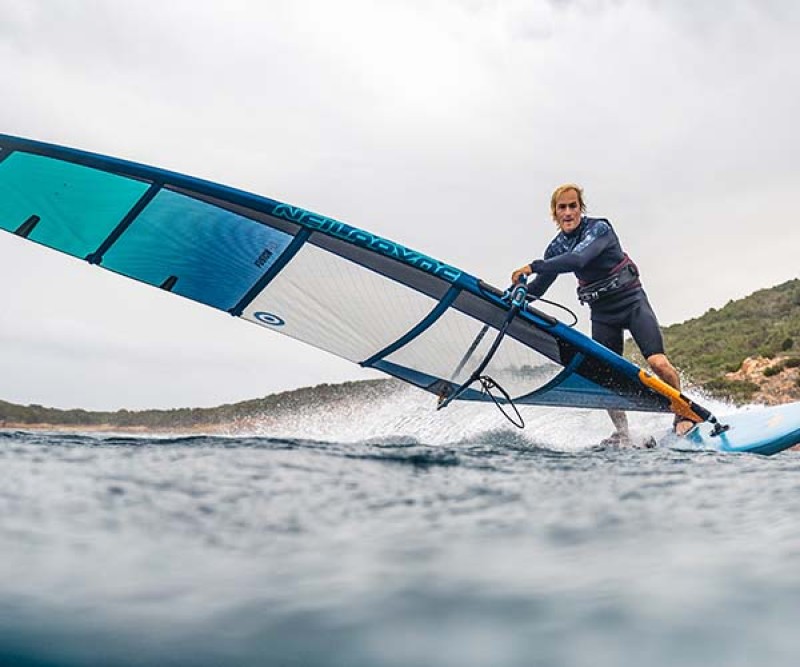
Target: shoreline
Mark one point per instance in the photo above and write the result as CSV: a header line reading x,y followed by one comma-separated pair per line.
x,y
211,429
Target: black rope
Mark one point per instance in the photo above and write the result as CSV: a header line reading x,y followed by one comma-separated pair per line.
x,y
487,384
562,307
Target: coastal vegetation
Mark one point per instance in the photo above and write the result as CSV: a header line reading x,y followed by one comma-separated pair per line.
x,y
274,405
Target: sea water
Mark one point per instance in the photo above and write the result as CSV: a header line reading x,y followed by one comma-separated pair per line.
x,y
387,534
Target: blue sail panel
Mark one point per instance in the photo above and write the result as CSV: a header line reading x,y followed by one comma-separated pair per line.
x,y
209,254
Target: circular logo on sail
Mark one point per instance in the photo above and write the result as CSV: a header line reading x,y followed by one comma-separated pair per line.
x,y
269,318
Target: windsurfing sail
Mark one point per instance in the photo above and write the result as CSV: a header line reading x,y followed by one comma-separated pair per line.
x,y
334,286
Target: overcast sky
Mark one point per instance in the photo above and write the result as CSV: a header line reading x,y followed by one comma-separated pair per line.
x,y
441,124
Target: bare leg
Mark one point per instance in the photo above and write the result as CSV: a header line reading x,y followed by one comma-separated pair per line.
x,y
620,421
611,336
666,371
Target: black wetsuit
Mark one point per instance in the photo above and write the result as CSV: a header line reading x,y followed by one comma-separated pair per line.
x,y
592,252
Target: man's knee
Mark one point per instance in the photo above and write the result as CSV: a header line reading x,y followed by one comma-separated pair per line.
x,y
664,369
660,364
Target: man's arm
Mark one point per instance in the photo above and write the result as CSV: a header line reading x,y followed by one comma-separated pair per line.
x,y
597,239
541,284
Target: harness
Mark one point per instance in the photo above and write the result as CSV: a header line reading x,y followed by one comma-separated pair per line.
x,y
623,276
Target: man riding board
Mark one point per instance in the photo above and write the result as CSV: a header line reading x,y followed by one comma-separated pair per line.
x,y
609,283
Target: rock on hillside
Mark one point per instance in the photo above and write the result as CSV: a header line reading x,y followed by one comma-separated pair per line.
x,y
778,379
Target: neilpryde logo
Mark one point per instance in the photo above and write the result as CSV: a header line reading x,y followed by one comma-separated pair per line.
x,y
269,318
365,239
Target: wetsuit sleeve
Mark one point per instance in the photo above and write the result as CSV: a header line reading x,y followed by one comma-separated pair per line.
x,y
540,284
596,241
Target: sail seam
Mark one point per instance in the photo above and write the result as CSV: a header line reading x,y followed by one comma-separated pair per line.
x,y
96,257
275,268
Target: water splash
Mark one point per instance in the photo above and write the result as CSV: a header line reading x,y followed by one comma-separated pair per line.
x,y
406,414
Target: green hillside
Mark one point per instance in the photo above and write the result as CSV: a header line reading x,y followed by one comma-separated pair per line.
x,y
275,405
766,323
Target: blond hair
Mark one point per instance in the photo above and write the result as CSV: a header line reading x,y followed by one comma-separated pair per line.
x,y
560,190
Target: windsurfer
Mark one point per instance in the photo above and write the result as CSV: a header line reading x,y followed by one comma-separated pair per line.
x,y
609,283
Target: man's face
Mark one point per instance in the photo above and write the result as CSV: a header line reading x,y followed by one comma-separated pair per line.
x,y
568,211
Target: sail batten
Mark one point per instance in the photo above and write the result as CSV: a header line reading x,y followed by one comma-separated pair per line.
x,y
418,329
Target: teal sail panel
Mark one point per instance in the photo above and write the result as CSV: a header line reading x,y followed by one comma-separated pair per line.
x,y
336,287
75,208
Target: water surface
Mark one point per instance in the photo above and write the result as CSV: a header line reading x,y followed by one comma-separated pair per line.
x,y
389,537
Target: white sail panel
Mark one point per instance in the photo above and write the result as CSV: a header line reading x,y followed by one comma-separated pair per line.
x,y
338,306
448,350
